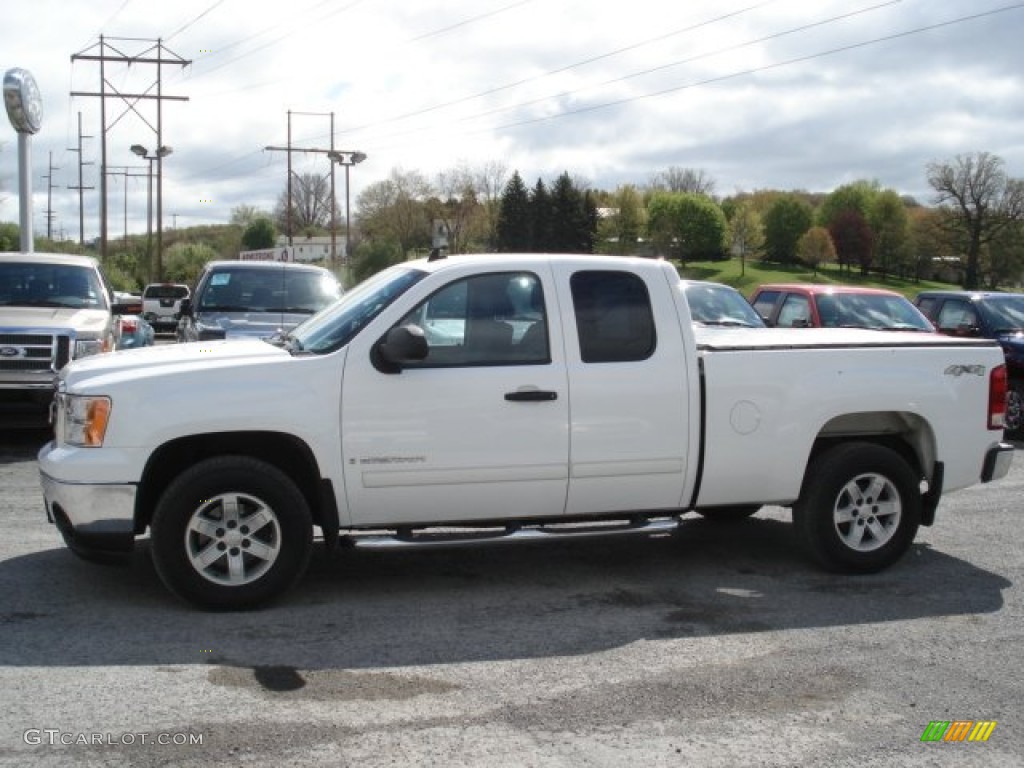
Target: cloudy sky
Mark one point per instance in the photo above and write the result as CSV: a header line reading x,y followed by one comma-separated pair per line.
x,y
783,94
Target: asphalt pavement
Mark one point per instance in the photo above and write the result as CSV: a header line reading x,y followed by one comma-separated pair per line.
x,y
715,646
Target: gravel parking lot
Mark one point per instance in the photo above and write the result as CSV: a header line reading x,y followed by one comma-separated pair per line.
x,y
717,646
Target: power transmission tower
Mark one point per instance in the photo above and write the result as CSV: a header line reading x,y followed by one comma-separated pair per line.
x,y
155,53
80,188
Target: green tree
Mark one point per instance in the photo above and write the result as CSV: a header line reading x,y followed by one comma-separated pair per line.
x,y
514,217
858,196
930,247
184,261
372,257
746,233
980,200
622,228
785,221
890,226
10,236
687,226
815,248
259,234
540,218
396,210
573,218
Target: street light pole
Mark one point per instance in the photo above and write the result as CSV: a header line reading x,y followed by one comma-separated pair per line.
x,y
347,159
161,152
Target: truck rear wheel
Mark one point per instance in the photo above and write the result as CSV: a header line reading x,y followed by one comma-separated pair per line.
x,y
859,508
231,532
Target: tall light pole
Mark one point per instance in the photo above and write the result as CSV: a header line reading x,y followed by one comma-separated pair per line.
x,y
160,153
347,159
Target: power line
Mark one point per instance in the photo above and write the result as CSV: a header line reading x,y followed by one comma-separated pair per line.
x,y
766,67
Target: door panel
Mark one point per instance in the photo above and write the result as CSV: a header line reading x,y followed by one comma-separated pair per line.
x,y
481,422
630,420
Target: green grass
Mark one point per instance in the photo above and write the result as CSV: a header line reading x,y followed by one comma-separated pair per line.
x,y
757,273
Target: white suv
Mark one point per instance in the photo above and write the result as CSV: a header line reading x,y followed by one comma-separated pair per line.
x,y
161,303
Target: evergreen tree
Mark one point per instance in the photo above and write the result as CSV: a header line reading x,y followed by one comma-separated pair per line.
x,y
514,216
540,218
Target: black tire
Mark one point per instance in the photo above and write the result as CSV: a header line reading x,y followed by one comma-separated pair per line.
x,y
205,552
859,508
729,514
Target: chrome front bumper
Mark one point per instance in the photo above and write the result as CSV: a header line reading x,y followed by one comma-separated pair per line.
x,y
89,516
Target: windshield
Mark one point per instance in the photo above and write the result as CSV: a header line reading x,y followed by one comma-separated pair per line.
x,y
337,325
876,311
26,284
721,305
1005,313
268,290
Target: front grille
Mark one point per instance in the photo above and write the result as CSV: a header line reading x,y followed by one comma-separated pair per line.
x,y
34,352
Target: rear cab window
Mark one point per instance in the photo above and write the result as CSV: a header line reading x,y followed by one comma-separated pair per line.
x,y
614,318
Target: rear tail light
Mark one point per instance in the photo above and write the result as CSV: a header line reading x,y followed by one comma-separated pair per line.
x,y
129,325
997,398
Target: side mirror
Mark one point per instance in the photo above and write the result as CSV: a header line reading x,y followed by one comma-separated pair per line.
x,y
401,345
185,308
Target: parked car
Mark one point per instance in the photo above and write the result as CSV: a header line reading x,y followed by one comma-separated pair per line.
x,y
53,308
719,305
131,330
989,315
802,305
254,298
161,304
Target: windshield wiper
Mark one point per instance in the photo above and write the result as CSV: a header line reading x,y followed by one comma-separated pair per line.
x,y
727,323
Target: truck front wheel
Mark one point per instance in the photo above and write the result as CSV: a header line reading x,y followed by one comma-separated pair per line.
x,y
859,508
231,532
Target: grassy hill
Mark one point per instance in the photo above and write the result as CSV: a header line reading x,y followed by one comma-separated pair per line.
x,y
757,273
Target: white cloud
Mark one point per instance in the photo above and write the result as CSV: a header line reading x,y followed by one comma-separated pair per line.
x,y
757,94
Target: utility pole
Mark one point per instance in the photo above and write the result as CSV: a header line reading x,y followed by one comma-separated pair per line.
x,y
49,198
329,152
156,53
80,188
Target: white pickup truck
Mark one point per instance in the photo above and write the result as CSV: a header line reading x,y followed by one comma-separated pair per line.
x,y
507,397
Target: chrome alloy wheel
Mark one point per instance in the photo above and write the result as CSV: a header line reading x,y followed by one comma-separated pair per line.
x,y
232,539
867,512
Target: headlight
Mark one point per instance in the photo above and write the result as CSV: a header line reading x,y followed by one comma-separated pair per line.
x,y
86,347
82,420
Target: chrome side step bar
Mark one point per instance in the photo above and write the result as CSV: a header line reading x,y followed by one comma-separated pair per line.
x,y
407,538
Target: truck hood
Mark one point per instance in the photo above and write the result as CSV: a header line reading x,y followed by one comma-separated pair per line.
x,y
83,321
250,324
146,362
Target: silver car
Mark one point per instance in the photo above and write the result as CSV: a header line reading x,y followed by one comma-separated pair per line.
x,y
254,298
